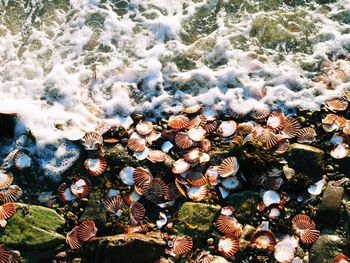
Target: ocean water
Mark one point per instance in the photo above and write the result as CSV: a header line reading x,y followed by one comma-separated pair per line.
x,y
74,64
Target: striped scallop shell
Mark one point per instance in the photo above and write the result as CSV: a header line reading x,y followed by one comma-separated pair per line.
x,y
306,135
86,230
205,145
196,122
196,134
198,193
142,178
204,257
193,155
81,187
340,151
144,127
303,222
209,113
196,178
6,255
267,137
115,205
346,128
12,194
192,108
275,121
72,239
137,212
309,236
212,175
227,128
182,185
182,245
22,160
91,141
95,166
178,122
156,156
341,258
284,251
180,166
137,143
281,147
64,193
228,225
210,126
291,128
337,104
7,210
263,239
156,191
228,166
244,128
260,114
228,245
183,141
6,179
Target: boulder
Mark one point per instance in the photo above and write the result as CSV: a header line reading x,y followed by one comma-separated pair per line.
x,y
329,209
327,247
118,155
307,160
196,220
126,248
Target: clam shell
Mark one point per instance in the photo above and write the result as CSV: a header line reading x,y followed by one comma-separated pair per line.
x,y
6,255
166,146
205,145
192,108
227,128
228,245
228,166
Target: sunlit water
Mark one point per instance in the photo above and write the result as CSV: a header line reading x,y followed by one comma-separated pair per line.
x,y
66,64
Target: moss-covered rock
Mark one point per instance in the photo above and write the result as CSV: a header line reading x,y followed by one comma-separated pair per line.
x,y
196,219
126,248
117,155
34,227
307,160
327,247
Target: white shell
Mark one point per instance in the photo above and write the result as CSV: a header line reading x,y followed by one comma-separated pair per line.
x,y
271,197
126,175
227,128
196,134
167,146
316,189
231,183
162,220
142,155
224,193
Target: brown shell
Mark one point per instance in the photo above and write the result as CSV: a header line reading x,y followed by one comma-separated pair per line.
x,y
142,178
210,126
337,104
340,151
183,141
156,156
156,191
193,155
180,166
7,210
86,230
6,255
72,239
306,135
12,194
22,160
196,122
228,245
291,128
114,204
137,144
182,245
229,225
193,108
303,222
196,134
227,128
228,166
263,239
196,178
260,114
137,212
341,258
95,166
206,145
244,128
309,236
198,193
178,122
267,138
6,179
144,127
92,141
275,121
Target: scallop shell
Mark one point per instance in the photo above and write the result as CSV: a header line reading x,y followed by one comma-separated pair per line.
x,y
260,114
244,128
275,121
231,183
196,122
92,141
340,151
64,193
196,134
142,178
282,146
267,137
126,175
95,166
7,211
22,160
341,258
183,141
12,194
180,166
263,239
227,210
205,257
6,179
346,128
137,143
156,191
193,108
228,225
212,175
309,236
284,251
337,104
6,256
72,239
86,230
182,245
204,158
137,212
333,122
228,245
271,197
291,128
193,155
306,135
144,127
198,193
303,222
210,126
115,205
178,122
275,211
156,156
227,128
209,113
228,166
152,137
205,145
81,188
196,178
182,186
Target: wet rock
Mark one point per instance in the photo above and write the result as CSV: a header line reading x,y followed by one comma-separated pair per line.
x,y
245,204
34,228
196,219
95,209
126,248
347,216
327,247
7,124
118,155
57,159
216,156
218,259
329,209
306,159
